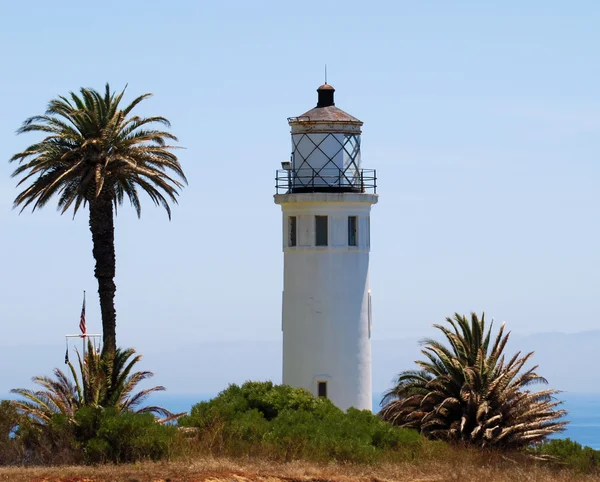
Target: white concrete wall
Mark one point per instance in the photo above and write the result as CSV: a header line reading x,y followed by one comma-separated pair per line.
x,y
326,334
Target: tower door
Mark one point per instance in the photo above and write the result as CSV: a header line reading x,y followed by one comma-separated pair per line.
x,y
322,389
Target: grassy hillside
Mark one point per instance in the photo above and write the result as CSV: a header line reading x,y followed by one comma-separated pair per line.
x,y
264,432
461,467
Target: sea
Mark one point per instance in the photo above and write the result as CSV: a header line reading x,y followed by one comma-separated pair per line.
x,y
583,412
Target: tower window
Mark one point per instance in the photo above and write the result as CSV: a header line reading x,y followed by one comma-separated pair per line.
x,y
292,230
352,231
321,230
322,389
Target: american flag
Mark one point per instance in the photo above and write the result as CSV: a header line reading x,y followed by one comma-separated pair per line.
x,y
82,326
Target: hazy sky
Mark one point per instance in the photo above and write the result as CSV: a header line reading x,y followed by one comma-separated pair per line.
x,y
482,122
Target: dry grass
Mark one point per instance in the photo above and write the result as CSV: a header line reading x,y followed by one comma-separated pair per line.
x,y
464,468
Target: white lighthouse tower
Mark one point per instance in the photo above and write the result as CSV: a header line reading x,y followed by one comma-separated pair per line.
x,y
326,199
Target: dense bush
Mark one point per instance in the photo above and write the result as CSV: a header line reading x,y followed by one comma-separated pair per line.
x,y
110,436
328,433
11,448
571,454
95,435
50,444
282,422
256,419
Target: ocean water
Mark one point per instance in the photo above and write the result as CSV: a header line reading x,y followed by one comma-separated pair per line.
x,y
584,417
583,412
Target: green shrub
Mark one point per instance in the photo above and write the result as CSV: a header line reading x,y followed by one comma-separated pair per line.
x,y
11,448
9,420
95,435
264,397
571,454
287,423
51,444
328,433
110,436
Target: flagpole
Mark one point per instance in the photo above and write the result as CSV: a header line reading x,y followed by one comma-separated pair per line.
x,y
89,335
83,336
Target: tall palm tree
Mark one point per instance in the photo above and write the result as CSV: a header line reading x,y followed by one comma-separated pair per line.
x,y
99,383
469,393
95,154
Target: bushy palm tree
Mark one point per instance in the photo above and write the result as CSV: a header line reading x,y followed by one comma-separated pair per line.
x,y
95,154
99,383
468,392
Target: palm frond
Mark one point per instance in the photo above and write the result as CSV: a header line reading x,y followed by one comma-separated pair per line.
x,y
92,142
96,382
466,392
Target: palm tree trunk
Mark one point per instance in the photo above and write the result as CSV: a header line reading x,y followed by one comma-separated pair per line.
x,y
103,239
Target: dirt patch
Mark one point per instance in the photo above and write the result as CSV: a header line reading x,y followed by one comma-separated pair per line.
x,y
256,470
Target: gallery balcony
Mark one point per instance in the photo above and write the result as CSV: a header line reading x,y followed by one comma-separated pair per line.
x,y
306,180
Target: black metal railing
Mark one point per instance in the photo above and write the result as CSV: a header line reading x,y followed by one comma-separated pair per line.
x,y
307,179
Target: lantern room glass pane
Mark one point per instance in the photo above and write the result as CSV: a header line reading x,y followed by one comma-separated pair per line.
x,y
351,163
325,159
351,151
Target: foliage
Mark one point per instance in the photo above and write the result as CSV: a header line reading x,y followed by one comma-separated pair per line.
x,y
570,453
101,382
112,436
469,393
96,435
11,448
50,444
287,423
93,148
328,434
9,420
95,153
264,397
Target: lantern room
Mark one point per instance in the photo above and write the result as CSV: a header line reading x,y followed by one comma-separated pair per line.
x,y
325,151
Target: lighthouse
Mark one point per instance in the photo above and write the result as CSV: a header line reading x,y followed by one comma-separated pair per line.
x,y
326,197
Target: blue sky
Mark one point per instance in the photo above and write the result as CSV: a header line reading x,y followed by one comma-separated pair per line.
x,y
482,122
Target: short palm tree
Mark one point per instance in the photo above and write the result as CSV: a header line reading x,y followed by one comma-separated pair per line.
x,y
99,383
95,154
468,392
